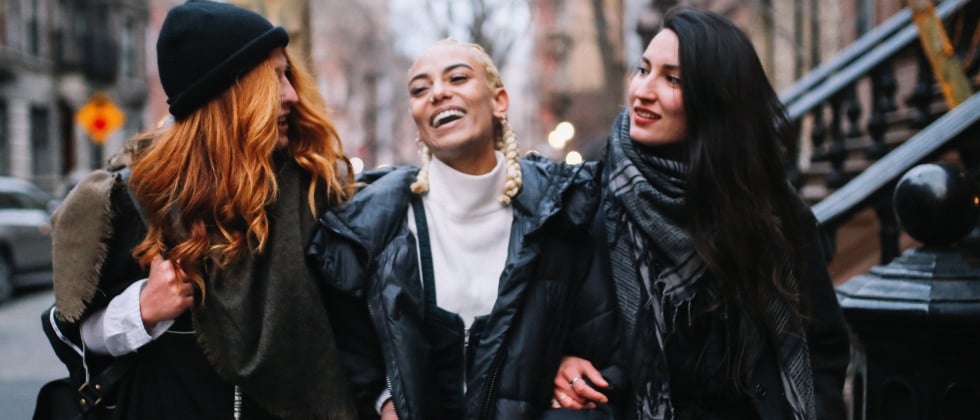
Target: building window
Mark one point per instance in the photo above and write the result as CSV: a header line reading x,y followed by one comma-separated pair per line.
x,y
34,31
127,45
40,141
4,141
13,23
3,24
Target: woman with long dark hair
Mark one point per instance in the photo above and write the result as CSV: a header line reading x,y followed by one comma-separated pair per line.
x,y
726,307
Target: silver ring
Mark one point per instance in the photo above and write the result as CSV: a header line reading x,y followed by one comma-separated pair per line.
x,y
572,382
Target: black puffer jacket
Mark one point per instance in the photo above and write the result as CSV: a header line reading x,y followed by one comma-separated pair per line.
x,y
551,301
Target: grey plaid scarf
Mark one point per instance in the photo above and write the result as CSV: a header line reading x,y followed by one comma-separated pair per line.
x,y
645,224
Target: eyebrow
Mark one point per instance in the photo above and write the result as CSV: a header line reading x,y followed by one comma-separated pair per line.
x,y
668,67
445,70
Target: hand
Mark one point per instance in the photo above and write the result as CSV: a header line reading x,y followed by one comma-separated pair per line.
x,y
571,389
388,411
167,293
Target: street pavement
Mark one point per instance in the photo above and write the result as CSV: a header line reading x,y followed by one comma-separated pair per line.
x,y
26,358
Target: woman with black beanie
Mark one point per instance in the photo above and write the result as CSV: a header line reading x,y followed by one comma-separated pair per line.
x,y
209,294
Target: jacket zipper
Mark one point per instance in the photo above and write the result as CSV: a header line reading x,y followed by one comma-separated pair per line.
x,y
491,387
384,355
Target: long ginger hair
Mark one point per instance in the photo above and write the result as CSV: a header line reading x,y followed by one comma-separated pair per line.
x,y
206,182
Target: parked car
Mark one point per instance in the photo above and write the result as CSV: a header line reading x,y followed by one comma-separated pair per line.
x,y
25,235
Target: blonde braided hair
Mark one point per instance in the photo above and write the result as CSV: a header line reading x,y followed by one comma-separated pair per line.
x,y
421,184
505,140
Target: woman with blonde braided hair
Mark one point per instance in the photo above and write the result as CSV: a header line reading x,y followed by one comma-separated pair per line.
x,y
504,138
473,274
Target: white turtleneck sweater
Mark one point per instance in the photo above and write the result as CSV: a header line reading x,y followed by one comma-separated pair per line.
x,y
469,233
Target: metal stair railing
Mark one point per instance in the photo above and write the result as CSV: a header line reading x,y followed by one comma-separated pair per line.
x,y
838,205
859,47
845,69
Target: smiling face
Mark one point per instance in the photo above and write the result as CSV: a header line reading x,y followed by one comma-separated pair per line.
x,y
657,114
454,107
287,95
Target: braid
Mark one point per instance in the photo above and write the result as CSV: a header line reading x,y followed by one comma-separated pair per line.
x,y
421,184
508,144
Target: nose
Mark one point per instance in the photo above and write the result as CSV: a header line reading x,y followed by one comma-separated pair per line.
x,y
288,94
643,89
438,92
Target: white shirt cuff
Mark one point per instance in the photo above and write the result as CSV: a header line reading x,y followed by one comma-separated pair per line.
x,y
380,402
118,329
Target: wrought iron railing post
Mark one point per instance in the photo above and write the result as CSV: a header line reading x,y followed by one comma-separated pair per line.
x,y
836,153
852,108
883,87
922,94
817,135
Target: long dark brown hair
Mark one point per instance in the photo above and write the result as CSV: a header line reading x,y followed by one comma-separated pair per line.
x,y
746,220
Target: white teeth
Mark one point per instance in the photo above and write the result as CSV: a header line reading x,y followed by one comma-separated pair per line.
x,y
644,114
444,116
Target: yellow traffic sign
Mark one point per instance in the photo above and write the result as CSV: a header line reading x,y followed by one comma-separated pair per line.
x,y
100,117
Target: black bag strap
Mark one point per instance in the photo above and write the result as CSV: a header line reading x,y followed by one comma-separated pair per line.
x,y
124,175
98,386
425,251
94,390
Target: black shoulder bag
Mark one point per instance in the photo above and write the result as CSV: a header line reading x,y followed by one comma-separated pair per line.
x,y
65,398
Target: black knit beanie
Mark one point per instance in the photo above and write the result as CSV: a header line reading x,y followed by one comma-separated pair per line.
x,y
205,46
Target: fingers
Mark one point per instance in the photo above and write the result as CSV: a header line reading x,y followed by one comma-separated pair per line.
x,y
584,389
167,294
593,374
567,396
572,390
586,392
566,400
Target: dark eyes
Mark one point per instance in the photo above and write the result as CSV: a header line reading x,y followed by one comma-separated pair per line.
x,y
672,79
453,79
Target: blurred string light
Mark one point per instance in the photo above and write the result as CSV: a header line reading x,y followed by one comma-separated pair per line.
x,y
357,164
560,136
573,158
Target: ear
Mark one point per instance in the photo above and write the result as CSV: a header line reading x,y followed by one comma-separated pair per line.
x,y
500,103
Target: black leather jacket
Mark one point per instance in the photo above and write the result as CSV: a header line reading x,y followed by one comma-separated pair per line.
x,y
551,301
